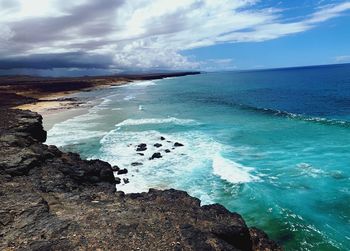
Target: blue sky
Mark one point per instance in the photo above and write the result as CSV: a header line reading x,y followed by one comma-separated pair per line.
x,y
81,37
327,43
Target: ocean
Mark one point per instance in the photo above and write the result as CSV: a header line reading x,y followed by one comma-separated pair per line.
x,y
272,145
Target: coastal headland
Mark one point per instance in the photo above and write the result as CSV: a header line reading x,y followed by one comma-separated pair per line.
x,y
53,200
48,93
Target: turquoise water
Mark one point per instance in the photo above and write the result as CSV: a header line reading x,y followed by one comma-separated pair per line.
x,y
271,145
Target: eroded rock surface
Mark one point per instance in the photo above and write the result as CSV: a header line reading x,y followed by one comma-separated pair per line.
x,y
50,200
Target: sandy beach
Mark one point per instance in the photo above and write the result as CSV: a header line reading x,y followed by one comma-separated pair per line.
x,y
57,107
56,98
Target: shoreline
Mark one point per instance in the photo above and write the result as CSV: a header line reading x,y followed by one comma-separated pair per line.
x,y
54,98
21,90
55,108
53,200
61,201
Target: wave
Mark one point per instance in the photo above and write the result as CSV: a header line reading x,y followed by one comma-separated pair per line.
x,y
144,83
79,128
231,171
119,148
194,162
151,121
281,113
129,97
290,115
75,130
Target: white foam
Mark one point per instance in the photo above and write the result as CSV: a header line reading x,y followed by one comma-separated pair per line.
x,y
119,148
143,83
231,171
182,166
76,129
170,120
309,170
129,97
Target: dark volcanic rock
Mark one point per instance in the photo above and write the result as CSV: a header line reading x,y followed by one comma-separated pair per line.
x,y
24,123
162,138
141,154
167,151
176,144
156,156
141,147
122,171
51,200
157,145
13,99
136,164
260,240
117,180
115,168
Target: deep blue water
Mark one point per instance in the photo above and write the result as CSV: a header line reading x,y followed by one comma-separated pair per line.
x,y
272,145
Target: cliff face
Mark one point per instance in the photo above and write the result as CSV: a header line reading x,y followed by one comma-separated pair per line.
x,y
50,200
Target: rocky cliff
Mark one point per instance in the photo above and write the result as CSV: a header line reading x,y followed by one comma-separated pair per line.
x,y
50,200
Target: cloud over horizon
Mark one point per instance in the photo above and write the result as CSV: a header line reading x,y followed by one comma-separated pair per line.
x,y
118,35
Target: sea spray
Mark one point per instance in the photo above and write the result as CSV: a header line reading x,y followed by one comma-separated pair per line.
x,y
231,171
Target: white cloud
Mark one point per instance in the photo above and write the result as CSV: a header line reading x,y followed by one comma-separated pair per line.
x,y
143,33
343,59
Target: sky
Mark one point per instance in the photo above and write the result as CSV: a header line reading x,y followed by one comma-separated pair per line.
x,y
92,37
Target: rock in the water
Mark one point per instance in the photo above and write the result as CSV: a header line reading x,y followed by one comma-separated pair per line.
x,y
141,147
122,171
115,168
51,200
176,144
157,145
136,164
141,154
117,180
156,156
167,151
162,138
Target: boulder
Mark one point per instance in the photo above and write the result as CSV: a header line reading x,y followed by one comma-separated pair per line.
x,y
136,164
115,168
122,171
141,147
117,180
157,145
156,156
177,144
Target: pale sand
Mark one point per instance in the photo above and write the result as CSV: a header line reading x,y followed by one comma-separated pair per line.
x,y
55,110
60,115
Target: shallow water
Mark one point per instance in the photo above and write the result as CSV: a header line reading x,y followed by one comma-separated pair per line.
x,y
271,145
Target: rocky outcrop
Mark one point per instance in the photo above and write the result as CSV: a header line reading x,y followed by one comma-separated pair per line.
x,y
155,156
141,147
177,144
51,200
